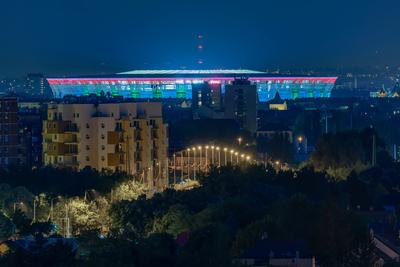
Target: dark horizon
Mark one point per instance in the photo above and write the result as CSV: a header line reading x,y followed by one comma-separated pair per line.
x,y
72,38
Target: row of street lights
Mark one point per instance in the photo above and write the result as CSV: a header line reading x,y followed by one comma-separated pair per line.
x,y
207,159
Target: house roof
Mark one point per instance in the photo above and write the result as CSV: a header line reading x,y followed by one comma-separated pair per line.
x,y
265,249
277,99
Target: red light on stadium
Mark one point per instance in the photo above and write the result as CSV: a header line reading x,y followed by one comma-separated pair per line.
x,y
214,82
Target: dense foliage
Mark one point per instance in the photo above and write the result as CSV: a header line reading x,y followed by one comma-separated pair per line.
x,y
340,153
207,226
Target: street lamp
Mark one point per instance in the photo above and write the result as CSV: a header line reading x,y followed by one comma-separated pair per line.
x,y
182,165
34,210
232,151
225,149
207,147
240,140
248,158
237,157
212,154
278,164
17,203
188,162
300,140
200,156
194,163
219,157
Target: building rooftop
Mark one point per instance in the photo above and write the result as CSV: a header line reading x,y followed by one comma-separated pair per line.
x,y
184,72
265,249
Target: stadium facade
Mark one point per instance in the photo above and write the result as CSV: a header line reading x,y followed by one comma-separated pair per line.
x,y
150,84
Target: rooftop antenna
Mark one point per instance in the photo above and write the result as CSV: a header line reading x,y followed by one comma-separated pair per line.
x,y
200,61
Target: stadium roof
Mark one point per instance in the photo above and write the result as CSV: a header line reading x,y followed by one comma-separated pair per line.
x,y
178,72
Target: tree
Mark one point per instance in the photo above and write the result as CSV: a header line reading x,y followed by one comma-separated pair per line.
x,y
278,147
98,251
21,222
157,250
342,152
128,190
340,238
207,246
6,227
83,215
175,221
133,219
44,252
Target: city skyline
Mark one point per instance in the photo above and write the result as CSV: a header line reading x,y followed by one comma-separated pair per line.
x,y
70,37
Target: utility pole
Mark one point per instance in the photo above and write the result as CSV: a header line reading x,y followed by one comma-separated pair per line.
x,y
194,163
51,209
34,210
225,150
67,231
174,168
212,155
188,162
182,165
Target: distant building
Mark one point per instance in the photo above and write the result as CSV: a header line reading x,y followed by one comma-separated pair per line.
x,y
241,104
36,85
11,151
394,92
277,253
277,103
30,116
201,95
269,130
129,137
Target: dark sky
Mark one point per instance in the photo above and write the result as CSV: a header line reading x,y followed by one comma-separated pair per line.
x,y
58,37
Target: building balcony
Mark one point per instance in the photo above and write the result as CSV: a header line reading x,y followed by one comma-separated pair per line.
x,y
114,138
60,149
115,159
71,127
58,127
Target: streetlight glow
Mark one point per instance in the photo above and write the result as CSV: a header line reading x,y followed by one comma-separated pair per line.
x,y
240,140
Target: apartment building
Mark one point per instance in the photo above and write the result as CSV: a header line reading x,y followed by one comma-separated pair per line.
x,y
128,137
11,150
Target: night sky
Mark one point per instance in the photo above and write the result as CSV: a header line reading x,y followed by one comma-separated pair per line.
x,y
58,37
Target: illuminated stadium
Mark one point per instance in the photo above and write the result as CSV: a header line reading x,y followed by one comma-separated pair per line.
x,y
145,84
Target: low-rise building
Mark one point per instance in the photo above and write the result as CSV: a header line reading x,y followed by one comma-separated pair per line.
x,y
277,253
